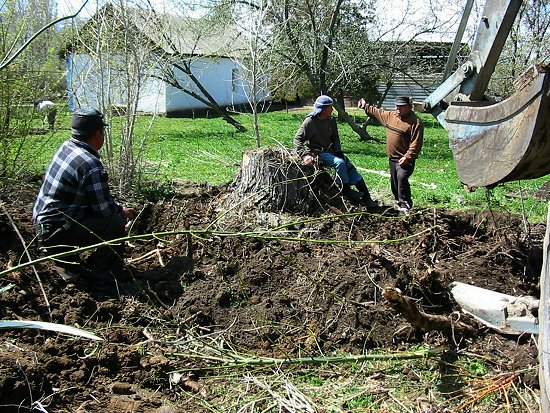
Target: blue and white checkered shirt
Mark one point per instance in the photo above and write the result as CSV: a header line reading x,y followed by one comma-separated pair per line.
x,y
75,186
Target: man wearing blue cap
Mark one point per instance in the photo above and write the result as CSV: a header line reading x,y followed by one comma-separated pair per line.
x,y
318,137
404,138
75,208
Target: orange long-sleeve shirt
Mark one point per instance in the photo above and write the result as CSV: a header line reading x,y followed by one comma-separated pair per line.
x,y
404,136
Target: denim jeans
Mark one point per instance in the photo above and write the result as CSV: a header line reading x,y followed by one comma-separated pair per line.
x,y
347,174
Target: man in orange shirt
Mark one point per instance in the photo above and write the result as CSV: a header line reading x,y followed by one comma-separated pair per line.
x,y
404,137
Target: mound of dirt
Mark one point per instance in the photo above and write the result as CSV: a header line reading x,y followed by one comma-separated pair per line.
x,y
310,286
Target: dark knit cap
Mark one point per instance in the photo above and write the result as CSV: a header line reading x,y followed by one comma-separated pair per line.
x,y
403,101
86,121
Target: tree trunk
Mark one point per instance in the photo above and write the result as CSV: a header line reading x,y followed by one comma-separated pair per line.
x,y
362,132
274,180
228,118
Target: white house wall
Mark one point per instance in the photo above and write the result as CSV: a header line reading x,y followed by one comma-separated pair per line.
x,y
91,87
84,82
221,78
152,96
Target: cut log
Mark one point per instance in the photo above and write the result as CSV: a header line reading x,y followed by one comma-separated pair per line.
x,y
274,180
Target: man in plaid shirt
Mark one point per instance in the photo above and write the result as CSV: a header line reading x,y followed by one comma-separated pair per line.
x,y
75,208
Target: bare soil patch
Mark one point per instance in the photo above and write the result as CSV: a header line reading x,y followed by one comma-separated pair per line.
x,y
270,297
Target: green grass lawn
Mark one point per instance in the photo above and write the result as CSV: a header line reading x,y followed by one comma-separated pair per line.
x,y
210,150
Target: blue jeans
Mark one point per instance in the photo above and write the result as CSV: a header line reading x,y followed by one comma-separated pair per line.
x,y
347,174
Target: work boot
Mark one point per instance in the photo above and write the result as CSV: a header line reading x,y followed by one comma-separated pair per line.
x,y
366,198
115,283
350,193
403,208
70,270
369,202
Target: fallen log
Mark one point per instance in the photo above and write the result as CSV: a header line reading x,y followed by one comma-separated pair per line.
x,y
428,322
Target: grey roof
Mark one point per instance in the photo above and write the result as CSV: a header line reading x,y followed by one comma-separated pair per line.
x,y
176,34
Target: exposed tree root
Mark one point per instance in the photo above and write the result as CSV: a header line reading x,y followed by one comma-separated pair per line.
x,y
418,318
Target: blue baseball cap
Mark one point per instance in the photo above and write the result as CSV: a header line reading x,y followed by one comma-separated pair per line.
x,y
320,103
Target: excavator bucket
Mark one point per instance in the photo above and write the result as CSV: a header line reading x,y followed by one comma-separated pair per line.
x,y
502,312
495,142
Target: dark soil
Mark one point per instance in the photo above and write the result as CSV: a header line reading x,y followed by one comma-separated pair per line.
x,y
279,298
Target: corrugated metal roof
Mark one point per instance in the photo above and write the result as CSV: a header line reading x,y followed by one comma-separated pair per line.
x,y
419,89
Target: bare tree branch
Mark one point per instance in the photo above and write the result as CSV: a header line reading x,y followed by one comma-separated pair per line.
x,y
7,60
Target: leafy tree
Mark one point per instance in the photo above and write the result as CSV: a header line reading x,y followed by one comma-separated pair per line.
x,y
29,69
528,43
331,47
317,41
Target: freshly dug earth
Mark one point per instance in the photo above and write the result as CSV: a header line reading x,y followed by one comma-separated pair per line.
x,y
228,279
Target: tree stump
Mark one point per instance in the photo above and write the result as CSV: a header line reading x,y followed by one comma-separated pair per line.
x,y
274,180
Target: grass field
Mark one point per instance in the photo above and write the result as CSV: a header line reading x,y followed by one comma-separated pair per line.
x,y
210,150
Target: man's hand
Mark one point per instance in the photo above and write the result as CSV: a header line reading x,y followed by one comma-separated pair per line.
x,y
362,104
129,213
308,160
403,161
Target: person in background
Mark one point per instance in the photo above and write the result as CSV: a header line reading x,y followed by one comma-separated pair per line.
x,y
75,208
48,108
318,137
404,138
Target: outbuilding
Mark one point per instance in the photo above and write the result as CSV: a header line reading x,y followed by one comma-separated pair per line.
x,y
161,63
